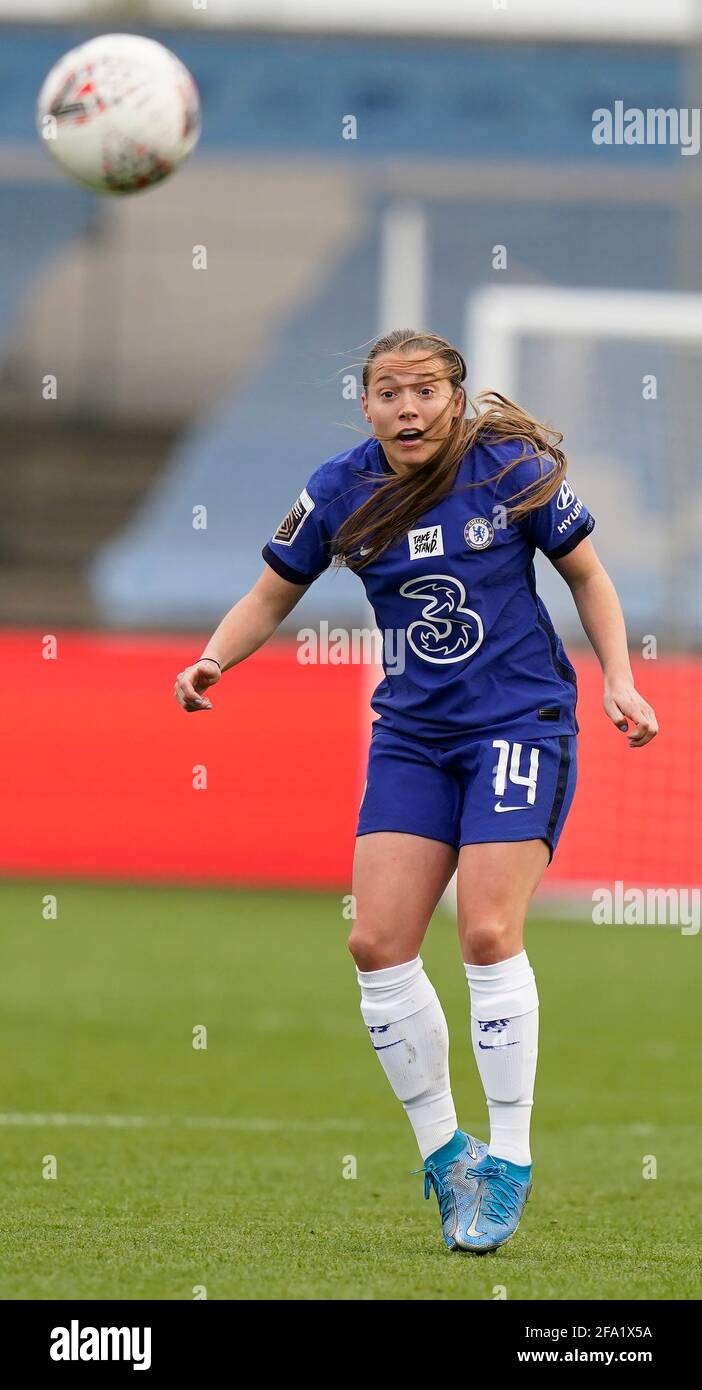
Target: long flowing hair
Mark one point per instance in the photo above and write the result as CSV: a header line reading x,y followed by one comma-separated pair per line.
x,y
397,501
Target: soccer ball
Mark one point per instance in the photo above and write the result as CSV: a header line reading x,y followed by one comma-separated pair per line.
x,y
119,113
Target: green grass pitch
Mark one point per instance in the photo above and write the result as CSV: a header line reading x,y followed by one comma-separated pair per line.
x,y
223,1167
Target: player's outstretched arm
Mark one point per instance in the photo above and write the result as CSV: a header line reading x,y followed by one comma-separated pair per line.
x,y
601,615
242,631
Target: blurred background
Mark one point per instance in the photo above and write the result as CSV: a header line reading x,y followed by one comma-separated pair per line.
x,y
139,916
471,200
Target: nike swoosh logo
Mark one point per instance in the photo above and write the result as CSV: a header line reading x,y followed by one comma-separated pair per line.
x,y
385,1046
489,1047
473,1228
500,807
471,1150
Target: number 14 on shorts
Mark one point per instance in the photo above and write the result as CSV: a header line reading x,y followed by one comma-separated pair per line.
x,y
510,762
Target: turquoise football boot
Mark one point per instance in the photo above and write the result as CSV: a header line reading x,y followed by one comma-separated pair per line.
x,y
501,1192
450,1172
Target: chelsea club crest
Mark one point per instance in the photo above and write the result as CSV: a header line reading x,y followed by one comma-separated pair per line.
x,y
478,533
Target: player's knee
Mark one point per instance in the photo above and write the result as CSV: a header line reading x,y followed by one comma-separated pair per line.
x,y
488,940
367,948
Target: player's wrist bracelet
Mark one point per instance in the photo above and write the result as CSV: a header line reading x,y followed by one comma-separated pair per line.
x,y
210,658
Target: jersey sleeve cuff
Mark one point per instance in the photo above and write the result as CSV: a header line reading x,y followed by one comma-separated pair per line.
x,y
284,570
574,539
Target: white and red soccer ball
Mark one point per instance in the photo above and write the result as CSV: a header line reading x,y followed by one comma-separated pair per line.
x,y
119,113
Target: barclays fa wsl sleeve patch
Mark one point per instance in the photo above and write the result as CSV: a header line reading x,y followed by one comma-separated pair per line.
x,y
295,519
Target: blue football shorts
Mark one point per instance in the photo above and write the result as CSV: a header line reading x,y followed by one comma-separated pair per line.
x,y
477,792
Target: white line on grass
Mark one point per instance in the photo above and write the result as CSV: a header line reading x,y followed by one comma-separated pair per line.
x,y
265,1123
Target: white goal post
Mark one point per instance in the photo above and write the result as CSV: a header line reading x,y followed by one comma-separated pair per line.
x,y
498,316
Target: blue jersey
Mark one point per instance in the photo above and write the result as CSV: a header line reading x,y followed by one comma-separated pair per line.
x,y
470,649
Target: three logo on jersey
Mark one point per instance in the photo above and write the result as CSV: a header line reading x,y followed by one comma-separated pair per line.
x,y
446,630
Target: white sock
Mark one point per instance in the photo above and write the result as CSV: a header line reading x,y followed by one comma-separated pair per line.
x,y
408,1030
504,1007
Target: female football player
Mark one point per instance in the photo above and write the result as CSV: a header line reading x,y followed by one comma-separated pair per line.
x,y
473,760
